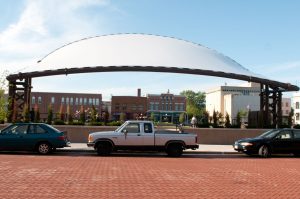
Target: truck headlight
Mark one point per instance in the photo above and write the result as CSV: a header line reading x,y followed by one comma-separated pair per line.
x,y
90,139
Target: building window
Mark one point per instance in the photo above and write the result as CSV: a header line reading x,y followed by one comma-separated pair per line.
x,y
71,100
133,107
157,106
97,102
117,106
286,112
297,116
52,100
151,106
85,101
39,100
90,101
287,104
176,107
67,100
62,100
140,107
181,106
33,100
124,107
297,105
80,101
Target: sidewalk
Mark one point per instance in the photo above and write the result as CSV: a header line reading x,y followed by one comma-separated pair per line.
x,y
203,148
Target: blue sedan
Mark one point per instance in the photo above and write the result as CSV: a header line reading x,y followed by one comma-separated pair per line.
x,y
39,137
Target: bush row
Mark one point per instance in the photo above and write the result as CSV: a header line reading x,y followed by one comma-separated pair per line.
x,y
79,123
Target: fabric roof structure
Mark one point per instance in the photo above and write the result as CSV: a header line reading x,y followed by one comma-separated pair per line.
x,y
145,53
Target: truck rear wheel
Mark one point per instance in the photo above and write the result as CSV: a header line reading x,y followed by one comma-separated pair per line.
x,y
174,150
104,148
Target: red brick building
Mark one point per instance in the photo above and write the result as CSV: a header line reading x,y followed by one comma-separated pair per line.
x,y
134,107
64,100
166,107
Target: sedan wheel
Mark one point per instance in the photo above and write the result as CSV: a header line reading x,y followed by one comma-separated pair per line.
x,y
264,151
44,148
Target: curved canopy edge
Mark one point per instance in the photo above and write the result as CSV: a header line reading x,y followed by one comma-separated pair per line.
x,y
66,71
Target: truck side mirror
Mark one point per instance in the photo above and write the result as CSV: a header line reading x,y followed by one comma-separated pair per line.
x,y
125,131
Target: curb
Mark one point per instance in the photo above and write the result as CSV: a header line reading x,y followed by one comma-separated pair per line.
x,y
185,152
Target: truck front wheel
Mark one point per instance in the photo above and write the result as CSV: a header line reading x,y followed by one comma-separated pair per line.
x,y
174,150
104,148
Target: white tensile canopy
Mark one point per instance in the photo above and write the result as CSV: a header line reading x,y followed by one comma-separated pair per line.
x,y
141,52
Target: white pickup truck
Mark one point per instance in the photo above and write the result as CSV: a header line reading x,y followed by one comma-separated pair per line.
x,y
141,136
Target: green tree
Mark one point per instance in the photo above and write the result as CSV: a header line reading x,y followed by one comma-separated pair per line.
x,y
290,118
227,120
3,101
82,115
69,115
215,119
25,114
37,116
2,106
61,114
195,103
50,114
105,117
93,114
122,117
182,118
205,119
152,117
238,119
220,117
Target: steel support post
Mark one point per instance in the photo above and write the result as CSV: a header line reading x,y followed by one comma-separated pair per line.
x,y
19,97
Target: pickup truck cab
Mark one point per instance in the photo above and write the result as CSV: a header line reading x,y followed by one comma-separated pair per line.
x,y
141,136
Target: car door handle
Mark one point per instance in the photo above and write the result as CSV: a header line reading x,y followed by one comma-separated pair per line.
x,y
138,134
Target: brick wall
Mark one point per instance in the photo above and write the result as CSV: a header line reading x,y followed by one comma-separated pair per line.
x,y
79,134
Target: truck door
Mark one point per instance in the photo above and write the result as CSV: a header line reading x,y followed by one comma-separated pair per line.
x,y
148,136
133,135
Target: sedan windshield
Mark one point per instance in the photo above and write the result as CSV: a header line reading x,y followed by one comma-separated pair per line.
x,y
269,134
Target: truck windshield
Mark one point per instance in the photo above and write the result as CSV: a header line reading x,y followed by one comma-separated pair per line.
x,y
120,127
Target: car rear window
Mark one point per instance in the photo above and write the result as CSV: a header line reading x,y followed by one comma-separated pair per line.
x,y
51,127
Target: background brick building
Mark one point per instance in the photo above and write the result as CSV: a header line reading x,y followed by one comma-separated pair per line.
x,y
134,107
166,107
64,100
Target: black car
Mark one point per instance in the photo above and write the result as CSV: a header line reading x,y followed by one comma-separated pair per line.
x,y
276,141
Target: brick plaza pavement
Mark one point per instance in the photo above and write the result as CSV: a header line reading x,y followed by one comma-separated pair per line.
x,y
147,176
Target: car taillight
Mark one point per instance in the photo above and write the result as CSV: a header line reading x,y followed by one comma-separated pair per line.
x,y
61,137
